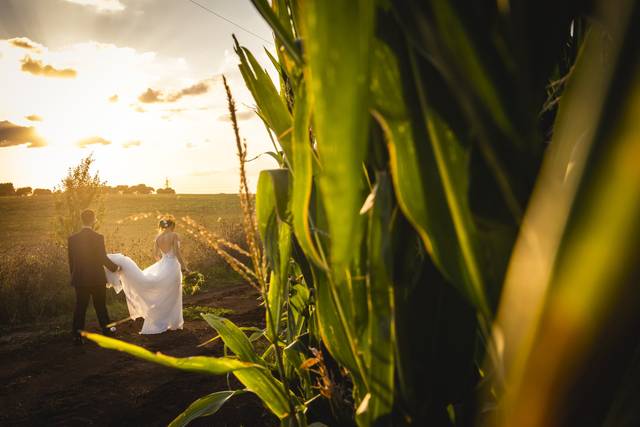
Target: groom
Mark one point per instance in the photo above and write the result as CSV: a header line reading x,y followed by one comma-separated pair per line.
x,y
87,255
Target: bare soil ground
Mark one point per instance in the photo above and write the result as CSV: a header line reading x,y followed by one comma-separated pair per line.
x,y
45,380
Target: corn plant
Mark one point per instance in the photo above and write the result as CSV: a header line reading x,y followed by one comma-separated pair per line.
x,y
451,235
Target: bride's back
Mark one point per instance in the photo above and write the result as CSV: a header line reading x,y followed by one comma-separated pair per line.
x,y
167,242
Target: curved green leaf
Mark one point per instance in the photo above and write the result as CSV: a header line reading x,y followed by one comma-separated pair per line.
x,y
203,407
258,380
272,203
271,106
380,342
272,195
202,364
430,181
269,390
233,338
283,33
303,175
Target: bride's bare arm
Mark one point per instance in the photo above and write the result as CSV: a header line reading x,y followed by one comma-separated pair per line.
x,y
176,248
156,250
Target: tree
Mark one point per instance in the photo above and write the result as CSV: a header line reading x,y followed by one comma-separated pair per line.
x,y
24,191
142,189
111,190
79,190
122,189
42,192
6,189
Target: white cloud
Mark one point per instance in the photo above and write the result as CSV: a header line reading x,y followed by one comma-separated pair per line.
x,y
101,5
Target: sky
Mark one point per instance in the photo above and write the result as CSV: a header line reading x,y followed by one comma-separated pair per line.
x,y
136,83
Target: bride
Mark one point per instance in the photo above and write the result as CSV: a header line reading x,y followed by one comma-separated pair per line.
x,y
155,293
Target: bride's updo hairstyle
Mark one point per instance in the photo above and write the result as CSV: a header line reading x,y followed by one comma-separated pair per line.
x,y
166,224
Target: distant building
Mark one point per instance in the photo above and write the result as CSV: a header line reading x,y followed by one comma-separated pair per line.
x,y
167,188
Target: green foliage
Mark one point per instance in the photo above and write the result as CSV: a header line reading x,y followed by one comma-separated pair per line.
x,y
205,406
192,282
195,312
208,365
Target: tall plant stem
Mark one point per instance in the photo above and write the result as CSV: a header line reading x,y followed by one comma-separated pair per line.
x,y
343,318
274,341
256,256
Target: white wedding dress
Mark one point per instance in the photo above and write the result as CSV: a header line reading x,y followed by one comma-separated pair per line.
x,y
155,293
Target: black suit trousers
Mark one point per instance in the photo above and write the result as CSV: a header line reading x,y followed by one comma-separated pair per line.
x,y
98,294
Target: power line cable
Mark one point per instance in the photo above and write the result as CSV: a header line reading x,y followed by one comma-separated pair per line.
x,y
231,22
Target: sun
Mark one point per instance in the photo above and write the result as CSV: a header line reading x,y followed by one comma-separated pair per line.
x,y
115,124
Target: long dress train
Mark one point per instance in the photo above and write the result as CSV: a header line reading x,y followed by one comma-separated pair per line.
x,y
155,293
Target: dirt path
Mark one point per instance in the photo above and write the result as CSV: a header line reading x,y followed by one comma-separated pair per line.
x,y
45,380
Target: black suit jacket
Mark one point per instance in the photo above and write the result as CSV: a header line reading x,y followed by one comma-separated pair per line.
x,y
87,255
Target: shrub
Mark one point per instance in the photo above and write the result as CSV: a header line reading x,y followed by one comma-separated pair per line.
x,y
34,284
192,282
6,189
78,191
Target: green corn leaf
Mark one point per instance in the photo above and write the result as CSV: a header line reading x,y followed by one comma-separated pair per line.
x,y
271,106
380,341
471,56
578,275
334,328
272,207
275,156
269,390
202,364
258,380
281,71
298,306
203,407
233,337
451,163
273,194
303,179
281,29
338,42
294,356
278,286
430,181
454,36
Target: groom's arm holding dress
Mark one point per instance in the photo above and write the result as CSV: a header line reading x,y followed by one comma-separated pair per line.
x,y
105,259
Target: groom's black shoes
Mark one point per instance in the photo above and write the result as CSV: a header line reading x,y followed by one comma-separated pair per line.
x,y
109,332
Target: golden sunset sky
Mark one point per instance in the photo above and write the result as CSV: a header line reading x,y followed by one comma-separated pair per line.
x,y
135,82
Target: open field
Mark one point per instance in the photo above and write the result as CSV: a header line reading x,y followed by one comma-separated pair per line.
x,y
25,221
33,270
